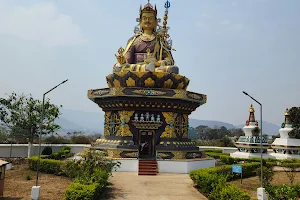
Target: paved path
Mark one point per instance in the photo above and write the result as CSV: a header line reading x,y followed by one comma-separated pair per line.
x,y
128,185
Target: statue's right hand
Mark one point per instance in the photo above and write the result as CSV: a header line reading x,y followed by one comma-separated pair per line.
x,y
121,59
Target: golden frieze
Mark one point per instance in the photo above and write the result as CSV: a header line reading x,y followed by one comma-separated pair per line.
x,y
180,94
148,92
117,91
114,153
147,79
194,96
101,92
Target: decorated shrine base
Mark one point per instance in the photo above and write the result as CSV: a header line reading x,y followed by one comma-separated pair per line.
x,y
168,166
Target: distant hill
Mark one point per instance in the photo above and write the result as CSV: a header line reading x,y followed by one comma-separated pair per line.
x,y
268,128
91,122
209,123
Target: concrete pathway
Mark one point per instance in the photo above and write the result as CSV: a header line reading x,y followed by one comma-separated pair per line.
x,y
128,185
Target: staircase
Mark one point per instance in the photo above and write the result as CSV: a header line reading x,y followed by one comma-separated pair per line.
x,y
147,167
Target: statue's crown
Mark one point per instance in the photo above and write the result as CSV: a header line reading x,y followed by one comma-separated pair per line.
x,y
148,8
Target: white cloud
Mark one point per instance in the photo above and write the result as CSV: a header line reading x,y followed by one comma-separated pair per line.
x,y
225,22
199,24
41,23
231,26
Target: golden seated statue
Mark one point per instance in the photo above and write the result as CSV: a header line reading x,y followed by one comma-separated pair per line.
x,y
148,49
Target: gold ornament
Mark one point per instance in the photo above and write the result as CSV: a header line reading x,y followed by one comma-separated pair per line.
x,y
114,153
130,82
117,83
180,94
179,155
168,83
107,123
116,91
149,82
124,129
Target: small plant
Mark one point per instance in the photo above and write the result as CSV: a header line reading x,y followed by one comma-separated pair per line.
x,y
28,178
255,131
290,167
268,174
47,151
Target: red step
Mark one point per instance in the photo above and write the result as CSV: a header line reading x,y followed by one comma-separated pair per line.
x,y
147,167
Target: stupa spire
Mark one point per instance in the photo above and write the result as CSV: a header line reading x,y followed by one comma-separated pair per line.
x,y
287,115
251,114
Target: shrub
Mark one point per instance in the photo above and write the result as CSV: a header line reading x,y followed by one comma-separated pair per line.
x,y
282,192
64,152
47,151
213,150
78,191
66,148
28,178
268,174
56,155
212,181
47,166
228,191
290,167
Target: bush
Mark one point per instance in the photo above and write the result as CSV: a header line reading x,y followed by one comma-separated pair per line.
x,y
47,166
92,175
64,152
212,181
47,151
228,191
283,192
213,150
78,191
268,174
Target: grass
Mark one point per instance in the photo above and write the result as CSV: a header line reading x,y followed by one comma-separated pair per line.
x,y
18,184
251,184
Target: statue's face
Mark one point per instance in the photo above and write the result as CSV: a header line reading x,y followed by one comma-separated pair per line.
x,y
148,21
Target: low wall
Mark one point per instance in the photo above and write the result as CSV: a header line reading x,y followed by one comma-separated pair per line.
x,y
184,166
21,150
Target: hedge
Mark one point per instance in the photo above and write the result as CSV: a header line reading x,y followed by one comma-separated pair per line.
x,y
227,159
48,166
212,181
283,192
86,186
79,191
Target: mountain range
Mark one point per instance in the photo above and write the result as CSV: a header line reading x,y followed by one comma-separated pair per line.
x,y
92,122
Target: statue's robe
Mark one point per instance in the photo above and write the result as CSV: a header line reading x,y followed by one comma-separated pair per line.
x,y
135,51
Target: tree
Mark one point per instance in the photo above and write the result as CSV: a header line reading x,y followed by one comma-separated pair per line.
x,y
22,115
295,117
3,135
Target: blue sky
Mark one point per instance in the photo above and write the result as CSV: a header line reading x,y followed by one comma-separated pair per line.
x,y
223,47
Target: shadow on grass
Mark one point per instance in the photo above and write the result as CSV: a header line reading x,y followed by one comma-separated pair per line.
x,y
9,198
112,193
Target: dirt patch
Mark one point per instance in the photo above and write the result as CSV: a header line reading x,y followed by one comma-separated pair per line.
x,y
17,187
251,184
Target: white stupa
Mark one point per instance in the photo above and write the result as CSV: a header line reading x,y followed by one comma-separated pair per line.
x,y
286,147
249,145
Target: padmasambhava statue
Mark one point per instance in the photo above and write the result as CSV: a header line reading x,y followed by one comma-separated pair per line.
x,y
149,49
